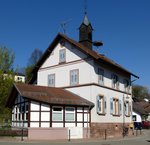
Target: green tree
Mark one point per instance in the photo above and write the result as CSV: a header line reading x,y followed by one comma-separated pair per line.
x,y
6,80
141,92
6,59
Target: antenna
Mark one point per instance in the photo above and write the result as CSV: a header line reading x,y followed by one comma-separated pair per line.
x,y
63,25
85,7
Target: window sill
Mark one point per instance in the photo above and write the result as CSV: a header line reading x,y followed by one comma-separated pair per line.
x,y
62,62
127,115
116,115
103,114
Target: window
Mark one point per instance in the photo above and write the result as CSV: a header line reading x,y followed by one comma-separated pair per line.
x,y
57,114
51,80
74,77
19,78
100,76
134,118
26,107
127,108
126,86
69,114
101,104
115,106
115,81
26,116
62,55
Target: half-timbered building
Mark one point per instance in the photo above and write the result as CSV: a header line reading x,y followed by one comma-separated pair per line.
x,y
73,87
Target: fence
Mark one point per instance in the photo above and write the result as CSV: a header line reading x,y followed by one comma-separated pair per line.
x,y
13,132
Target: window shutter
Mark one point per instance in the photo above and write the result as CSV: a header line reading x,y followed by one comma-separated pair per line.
x,y
125,108
97,104
120,107
130,108
130,87
111,105
105,104
112,80
118,84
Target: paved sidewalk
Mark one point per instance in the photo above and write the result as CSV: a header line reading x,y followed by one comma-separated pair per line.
x,y
134,140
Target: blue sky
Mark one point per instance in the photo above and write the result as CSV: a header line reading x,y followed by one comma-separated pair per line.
x,y
122,25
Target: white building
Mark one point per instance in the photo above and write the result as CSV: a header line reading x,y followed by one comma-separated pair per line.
x,y
73,87
19,77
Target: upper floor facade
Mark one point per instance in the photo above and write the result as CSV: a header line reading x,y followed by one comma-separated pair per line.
x,y
68,66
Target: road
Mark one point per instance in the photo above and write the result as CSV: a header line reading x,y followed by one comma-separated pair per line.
x,y
136,140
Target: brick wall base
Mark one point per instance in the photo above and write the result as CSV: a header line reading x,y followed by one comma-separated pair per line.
x,y
108,130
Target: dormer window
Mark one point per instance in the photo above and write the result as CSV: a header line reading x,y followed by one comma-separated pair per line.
x,y
62,55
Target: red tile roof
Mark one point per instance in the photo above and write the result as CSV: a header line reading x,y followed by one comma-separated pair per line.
x,y
96,56
141,107
48,95
137,107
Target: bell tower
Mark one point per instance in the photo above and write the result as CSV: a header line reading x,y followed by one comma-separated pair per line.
x,y
85,32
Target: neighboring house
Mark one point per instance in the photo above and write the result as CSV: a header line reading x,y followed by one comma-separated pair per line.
x,y
147,109
19,77
73,88
138,112
146,106
141,111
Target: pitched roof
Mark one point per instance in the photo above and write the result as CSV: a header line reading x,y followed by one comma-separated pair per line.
x,y
48,95
137,107
146,106
96,56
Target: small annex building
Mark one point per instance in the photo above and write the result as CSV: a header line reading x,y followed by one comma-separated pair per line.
x,y
38,106
73,88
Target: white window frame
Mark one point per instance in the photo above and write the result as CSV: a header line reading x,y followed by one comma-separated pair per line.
x,y
74,77
101,104
115,106
127,108
101,76
51,80
57,112
69,112
62,55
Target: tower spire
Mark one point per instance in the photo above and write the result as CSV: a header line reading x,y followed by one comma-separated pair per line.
x,y
85,30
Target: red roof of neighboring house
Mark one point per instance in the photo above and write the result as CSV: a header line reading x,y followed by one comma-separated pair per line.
x,y
48,95
96,56
141,107
137,107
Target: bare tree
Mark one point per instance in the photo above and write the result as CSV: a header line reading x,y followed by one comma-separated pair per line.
x,y
34,58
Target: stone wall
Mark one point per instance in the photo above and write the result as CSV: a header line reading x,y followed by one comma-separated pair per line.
x,y
108,130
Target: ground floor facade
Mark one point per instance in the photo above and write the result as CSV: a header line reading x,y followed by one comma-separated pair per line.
x,y
48,112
